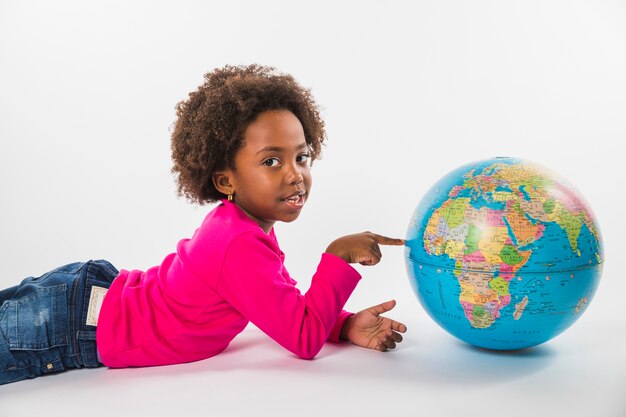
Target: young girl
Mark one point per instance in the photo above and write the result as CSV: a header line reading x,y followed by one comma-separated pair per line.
x,y
247,137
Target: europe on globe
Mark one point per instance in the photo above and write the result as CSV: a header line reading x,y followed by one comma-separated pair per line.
x,y
504,254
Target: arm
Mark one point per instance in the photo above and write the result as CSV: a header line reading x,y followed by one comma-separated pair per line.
x,y
368,328
336,334
253,282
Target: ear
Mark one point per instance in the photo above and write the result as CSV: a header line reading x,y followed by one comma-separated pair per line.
x,y
222,180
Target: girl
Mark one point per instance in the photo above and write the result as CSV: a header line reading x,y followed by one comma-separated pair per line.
x,y
247,137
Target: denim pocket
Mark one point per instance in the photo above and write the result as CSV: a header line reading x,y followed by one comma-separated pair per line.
x,y
38,321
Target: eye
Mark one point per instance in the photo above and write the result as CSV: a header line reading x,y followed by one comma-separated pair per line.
x,y
271,162
303,157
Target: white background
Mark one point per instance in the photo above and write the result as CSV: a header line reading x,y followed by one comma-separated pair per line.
x,y
409,91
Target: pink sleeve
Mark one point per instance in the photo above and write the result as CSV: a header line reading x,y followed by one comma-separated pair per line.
x,y
335,333
253,281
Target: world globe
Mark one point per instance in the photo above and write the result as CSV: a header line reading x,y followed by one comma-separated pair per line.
x,y
504,254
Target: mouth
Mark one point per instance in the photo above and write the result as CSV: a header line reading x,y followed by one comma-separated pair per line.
x,y
295,200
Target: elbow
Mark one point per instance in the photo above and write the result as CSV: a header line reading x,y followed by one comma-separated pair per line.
x,y
308,352
307,355
311,338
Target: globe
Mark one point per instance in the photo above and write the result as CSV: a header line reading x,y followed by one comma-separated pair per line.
x,y
504,254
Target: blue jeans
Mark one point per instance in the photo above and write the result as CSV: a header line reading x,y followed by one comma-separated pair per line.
x,y
47,324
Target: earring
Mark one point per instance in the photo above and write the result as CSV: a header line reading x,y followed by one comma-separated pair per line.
x,y
230,197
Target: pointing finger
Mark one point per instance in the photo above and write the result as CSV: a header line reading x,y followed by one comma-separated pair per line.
x,y
389,241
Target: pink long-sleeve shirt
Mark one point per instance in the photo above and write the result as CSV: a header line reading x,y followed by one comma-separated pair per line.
x,y
228,274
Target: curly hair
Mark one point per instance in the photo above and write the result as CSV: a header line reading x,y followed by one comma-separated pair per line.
x,y
210,125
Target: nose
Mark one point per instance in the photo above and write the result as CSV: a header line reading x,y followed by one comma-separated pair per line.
x,y
294,174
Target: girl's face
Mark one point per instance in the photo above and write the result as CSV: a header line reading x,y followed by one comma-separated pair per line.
x,y
272,178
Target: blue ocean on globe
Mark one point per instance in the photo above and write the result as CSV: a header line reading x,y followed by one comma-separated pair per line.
x,y
504,254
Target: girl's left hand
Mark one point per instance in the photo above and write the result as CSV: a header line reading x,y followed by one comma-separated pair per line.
x,y
369,330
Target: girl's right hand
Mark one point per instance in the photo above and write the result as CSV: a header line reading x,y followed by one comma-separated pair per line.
x,y
361,247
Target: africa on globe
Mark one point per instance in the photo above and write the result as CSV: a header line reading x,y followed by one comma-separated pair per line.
x,y
504,254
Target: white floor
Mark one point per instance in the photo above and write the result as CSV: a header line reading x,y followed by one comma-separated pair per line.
x,y
580,373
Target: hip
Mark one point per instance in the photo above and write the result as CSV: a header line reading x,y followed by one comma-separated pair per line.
x,y
48,323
